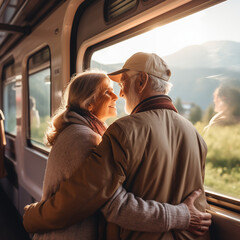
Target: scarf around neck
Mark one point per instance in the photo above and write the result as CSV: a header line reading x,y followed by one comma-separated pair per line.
x,y
155,102
95,124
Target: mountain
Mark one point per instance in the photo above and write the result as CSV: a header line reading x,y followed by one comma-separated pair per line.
x,y
198,70
214,54
106,67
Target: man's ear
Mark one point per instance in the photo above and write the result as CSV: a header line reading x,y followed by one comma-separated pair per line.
x,y
142,81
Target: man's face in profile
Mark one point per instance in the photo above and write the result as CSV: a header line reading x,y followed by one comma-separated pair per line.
x,y
128,92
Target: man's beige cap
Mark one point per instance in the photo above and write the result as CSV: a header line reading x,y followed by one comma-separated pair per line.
x,y
149,63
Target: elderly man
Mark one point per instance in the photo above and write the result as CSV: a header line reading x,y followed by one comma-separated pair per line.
x,y
154,152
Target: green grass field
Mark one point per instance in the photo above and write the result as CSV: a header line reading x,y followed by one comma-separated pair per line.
x,y
222,172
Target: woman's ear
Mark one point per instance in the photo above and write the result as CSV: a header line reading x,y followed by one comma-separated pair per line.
x,y
90,107
142,81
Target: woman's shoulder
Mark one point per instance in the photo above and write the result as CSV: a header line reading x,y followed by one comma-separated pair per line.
x,y
72,146
76,134
78,129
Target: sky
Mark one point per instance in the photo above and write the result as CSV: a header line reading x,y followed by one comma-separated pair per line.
x,y
220,22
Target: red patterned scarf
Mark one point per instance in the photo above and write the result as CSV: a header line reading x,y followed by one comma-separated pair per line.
x,y
155,102
95,124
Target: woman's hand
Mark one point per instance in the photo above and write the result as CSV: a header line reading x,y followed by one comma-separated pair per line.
x,y
199,221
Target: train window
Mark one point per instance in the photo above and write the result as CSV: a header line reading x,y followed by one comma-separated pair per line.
x,y
9,99
205,65
39,95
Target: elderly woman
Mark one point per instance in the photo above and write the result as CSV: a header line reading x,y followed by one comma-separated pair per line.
x,y
226,104
75,130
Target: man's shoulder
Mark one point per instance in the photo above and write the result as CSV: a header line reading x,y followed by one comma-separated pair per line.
x,y
127,121
119,125
123,119
131,125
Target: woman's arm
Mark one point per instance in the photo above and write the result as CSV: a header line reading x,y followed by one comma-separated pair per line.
x,y
134,213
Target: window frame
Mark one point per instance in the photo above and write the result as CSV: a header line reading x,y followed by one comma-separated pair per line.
x,y
29,73
81,52
214,198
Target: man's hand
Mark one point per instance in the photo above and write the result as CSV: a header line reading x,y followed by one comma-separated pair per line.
x,y
27,207
199,221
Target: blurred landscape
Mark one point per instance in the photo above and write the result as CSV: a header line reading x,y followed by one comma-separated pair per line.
x,y
197,71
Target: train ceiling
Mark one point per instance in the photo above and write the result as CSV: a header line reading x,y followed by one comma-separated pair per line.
x,y
19,17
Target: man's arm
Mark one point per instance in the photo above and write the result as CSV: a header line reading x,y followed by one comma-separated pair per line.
x,y
86,190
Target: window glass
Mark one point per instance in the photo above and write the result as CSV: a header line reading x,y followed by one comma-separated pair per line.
x,y
205,64
9,107
39,83
9,99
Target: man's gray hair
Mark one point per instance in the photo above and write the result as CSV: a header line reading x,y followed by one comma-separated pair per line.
x,y
160,85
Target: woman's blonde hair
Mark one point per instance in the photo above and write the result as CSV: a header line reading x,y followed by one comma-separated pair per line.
x,y
79,93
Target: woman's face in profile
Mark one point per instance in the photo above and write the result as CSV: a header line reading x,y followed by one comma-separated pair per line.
x,y
104,106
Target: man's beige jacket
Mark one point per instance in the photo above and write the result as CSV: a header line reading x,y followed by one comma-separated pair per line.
x,y
155,154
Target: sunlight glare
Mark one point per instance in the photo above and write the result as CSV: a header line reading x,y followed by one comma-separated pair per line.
x,y
194,29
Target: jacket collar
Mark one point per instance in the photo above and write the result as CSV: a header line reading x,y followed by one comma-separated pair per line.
x,y
155,102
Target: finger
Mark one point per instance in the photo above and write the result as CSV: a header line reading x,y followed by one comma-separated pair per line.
x,y
196,224
201,219
206,222
199,225
206,216
204,229
198,231
26,207
198,217
193,196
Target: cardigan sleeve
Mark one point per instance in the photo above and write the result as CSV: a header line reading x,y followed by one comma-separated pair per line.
x,y
134,213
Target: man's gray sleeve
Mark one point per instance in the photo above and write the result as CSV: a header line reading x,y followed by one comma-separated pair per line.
x,y
134,213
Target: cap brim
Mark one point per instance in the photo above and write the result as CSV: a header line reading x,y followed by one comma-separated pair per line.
x,y
116,76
